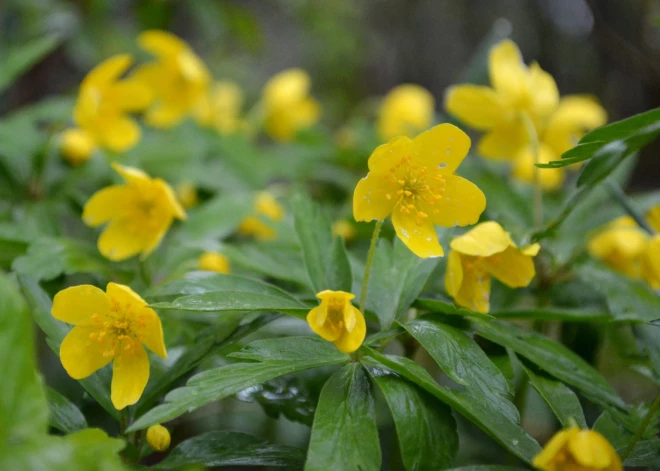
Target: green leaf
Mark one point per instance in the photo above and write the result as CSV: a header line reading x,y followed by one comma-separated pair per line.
x,y
63,414
645,454
490,419
221,448
623,128
649,338
344,433
551,313
627,300
426,428
445,307
577,154
20,59
269,259
552,357
272,358
486,467
215,219
326,260
397,278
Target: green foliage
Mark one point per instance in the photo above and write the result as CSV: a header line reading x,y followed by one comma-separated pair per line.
x,y
63,414
20,59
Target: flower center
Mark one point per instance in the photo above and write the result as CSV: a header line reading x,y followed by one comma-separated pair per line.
x,y
119,332
336,312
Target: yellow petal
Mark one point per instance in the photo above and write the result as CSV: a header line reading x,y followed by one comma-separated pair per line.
x,y
129,95
508,74
170,198
130,373
317,320
531,250
151,331
475,289
591,449
453,274
165,115
545,459
443,146
653,217
461,204
131,174
154,237
80,355
266,204
374,197
77,145
524,168
124,295
386,156
161,43
108,203
422,239
350,316
253,226
651,263
504,141
477,106
286,87
216,262
544,93
120,240
107,71
338,295
348,342
575,115
483,240
119,134
620,245
77,304
511,267
405,111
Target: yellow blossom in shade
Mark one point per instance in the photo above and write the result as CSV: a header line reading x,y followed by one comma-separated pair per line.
x,y
620,245
486,250
414,181
178,78
101,111
138,214
109,327
265,207
158,437
337,320
344,229
287,106
187,194
578,450
406,110
524,168
220,109
650,263
213,261
653,217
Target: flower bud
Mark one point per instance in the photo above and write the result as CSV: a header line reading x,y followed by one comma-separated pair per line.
x,y
76,146
212,261
158,437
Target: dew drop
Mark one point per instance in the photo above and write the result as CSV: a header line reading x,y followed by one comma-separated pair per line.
x,y
515,442
443,164
447,152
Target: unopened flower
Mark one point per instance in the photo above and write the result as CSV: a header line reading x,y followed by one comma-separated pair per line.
x,y
178,78
288,108
620,245
406,110
213,261
158,437
344,228
414,181
337,320
578,450
102,109
266,207
220,108
138,214
486,250
109,327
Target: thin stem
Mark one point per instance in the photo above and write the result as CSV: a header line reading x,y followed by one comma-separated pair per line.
x,y
538,189
367,267
621,198
144,273
123,421
642,428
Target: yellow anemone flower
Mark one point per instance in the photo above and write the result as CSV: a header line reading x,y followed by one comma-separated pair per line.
x,y
344,229
101,111
220,109
578,450
178,78
111,326
213,261
138,214
158,437
288,108
406,110
414,181
265,206
650,262
620,245
486,250
337,320
653,217
517,90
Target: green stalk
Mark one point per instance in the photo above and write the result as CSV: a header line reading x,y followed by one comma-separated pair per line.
x,y
642,428
538,189
367,267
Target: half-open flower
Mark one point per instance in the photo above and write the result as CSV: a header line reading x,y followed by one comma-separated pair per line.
x,y
406,110
337,320
578,450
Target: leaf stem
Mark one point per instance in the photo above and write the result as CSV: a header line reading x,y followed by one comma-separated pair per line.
x,y
123,421
538,189
621,198
367,267
642,428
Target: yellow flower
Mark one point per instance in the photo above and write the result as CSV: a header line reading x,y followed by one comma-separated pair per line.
x,y
288,108
620,245
220,109
158,437
138,214
337,320
178,78
653,217
407,110
486,250
414,181
111,326
344,229
578,450
101,111
265,206
213,261
187,194
650,262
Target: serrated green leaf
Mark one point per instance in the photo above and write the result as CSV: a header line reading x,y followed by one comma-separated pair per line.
x,y
426,429
221,448
63,414
268,259
344,433
20,59
646,453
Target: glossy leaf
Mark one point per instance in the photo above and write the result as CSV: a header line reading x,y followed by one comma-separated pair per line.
x,y
551,313
445,307
215,219
268,260
63,414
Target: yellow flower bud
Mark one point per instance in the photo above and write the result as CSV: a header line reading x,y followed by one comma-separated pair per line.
x,y
212,261
158,437
76,146
187,194
343,228
578,450
337,320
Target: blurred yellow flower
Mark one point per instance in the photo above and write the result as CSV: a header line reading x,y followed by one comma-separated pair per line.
x,y
101,111
158,437
138,214
414,181
650,262
187,194
406,110
620,245
178,78
220,109
109,326
486,250
344,229
288,108
337,320
653,217
578,450
265,206
213,261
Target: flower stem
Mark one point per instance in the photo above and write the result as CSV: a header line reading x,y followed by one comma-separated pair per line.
x,y
367,267
145,274
538,189
642,428
123,421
